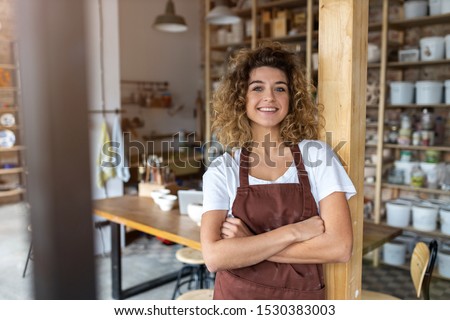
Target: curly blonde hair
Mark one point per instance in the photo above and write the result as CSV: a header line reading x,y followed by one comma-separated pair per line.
x,y
230,122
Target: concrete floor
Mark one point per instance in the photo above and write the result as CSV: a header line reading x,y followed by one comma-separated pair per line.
x,y
144,260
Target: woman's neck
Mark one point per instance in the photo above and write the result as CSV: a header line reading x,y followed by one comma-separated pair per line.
x,y
267,142
264,135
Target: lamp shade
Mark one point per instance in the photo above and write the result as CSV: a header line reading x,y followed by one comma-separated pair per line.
x,y
169,21
222,14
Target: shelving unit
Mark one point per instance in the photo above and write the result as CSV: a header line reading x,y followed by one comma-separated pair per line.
x,y
389,69
250,33
12,166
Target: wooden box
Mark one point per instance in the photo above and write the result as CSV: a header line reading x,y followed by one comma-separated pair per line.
x,y
279,27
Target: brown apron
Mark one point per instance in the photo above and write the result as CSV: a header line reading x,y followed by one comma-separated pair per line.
x,y
263,208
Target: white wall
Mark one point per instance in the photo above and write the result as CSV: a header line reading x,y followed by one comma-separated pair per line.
x,y
112,95
111,81
150,55
133,50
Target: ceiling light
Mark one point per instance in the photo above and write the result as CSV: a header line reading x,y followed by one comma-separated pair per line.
x,y
222,14
169,21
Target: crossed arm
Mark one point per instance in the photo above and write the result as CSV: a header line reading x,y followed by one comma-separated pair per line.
x,y
228,244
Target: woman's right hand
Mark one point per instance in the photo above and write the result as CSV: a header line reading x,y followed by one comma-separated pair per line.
x,y
309,228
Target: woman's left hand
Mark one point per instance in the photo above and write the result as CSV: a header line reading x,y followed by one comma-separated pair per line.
x,y
234,228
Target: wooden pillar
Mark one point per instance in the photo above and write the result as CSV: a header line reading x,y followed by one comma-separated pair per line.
x,y
343,26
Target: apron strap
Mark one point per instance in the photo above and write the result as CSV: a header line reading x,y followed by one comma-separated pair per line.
x,y
244,167
308,199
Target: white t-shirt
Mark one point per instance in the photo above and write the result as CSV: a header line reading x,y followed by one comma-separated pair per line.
x,y
325,172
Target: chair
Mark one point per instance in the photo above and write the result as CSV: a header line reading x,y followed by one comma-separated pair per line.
x,y
29,255
195,267
421,269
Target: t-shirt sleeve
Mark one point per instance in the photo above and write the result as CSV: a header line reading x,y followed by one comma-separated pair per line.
x,y
215,193
329,174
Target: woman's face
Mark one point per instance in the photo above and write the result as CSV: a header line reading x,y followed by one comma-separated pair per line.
x,y
267,100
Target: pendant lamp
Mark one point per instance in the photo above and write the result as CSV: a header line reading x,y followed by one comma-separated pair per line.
x,y
169,21
222,14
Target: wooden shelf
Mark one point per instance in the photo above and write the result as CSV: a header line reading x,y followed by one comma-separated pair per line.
x,y
432,234
8,88
416,189
398,64
8,110
420,148
369,184
371,145
7,66
14,127
11,171
294,38
375,26
10,193
245,12
373,65
225,47
283,4
420,21
15,148
415,106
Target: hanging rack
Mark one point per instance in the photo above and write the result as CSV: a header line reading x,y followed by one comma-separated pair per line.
x,y
116,111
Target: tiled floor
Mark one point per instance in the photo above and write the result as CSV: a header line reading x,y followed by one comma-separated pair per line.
x,y
397,282
147,258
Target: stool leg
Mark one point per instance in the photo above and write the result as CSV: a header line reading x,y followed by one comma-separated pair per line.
x,y
28,259
200,277
192,276
178,284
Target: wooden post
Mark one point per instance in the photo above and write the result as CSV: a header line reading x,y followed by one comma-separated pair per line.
x,y
343,27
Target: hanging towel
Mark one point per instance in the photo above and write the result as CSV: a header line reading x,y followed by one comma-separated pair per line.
x,y
104,172
122,170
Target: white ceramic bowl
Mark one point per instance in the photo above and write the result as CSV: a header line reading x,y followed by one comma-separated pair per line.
x,y
195,211
156,194
167,202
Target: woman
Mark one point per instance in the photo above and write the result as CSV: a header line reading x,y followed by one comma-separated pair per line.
x,y
276,209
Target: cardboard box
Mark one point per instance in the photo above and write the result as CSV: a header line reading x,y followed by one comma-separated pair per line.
x,y
279,27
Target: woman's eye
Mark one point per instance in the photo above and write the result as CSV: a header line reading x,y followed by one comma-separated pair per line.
x,y
257,89
280,89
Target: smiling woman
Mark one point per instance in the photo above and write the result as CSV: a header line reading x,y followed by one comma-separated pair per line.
x,y
270,218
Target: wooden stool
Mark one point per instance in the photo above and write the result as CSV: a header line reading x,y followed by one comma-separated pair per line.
x,y
373,295
202,294
195,266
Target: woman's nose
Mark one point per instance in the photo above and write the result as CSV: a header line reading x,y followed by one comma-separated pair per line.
x,y
268,96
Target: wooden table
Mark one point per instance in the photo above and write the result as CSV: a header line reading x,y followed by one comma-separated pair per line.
x,y
375,235
142,214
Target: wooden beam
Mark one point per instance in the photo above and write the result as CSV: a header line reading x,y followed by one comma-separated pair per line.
x,y
343,27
